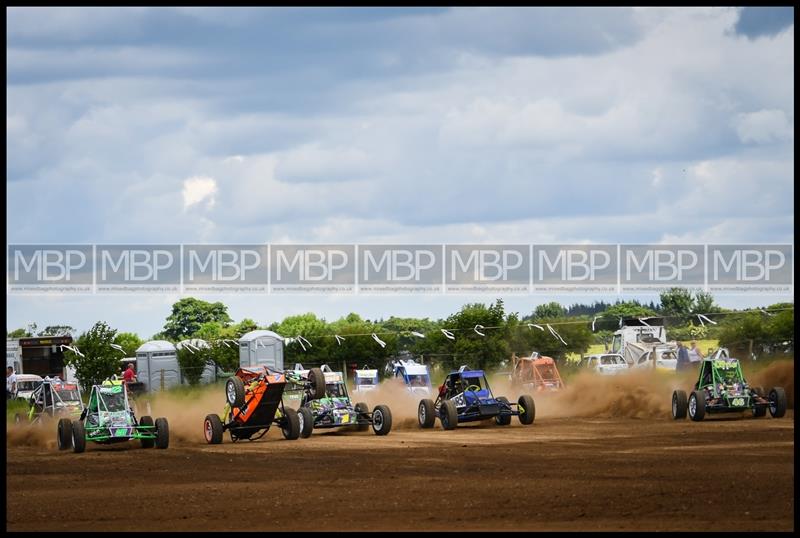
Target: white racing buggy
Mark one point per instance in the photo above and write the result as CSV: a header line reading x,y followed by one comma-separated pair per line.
x,y
366,379
52,398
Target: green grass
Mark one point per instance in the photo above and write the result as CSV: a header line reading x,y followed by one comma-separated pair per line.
x,y
15,406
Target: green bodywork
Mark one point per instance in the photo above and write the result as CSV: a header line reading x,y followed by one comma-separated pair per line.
x,y
109,417
724,379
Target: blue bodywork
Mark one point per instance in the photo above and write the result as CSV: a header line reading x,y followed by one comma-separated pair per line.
x,y
418,380
473,404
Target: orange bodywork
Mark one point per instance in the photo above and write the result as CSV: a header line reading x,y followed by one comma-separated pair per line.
x,y
262,392
540,373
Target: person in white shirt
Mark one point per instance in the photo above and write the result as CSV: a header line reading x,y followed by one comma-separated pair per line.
x,y
695,355
11,383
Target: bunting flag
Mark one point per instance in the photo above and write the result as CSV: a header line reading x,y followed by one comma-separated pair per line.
x,y
643,322
418,335
554,333
381,342
300,339
701,317
339,339
595,319
532,325
448,334
117,347
479,326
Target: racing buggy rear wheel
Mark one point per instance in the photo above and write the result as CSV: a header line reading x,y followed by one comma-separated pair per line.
x,y
290,424
212,429
64,434
679,404
362,412
448,414
777,402
426,413
760,411
162,433
78,437
381,420
503,420
306,418
234,391
697,405
150,430
527,409
316,380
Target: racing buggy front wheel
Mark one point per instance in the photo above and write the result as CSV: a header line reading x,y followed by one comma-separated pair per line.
x,y
64,434
78,437
162,433
290,425
527,409
448,414
212,429
149,429
679,404
234,391
426,414
503,419
306,418
381,420
697,405
777,402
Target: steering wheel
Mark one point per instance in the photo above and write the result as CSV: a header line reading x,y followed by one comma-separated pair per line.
x,y
473,388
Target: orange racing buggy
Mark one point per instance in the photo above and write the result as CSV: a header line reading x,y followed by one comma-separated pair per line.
x,y
255,402
536,373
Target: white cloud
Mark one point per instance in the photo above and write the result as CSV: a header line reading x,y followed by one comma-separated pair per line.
x,y
313,162
763,127
199,189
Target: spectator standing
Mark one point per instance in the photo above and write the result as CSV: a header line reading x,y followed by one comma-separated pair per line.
x,y
695,355
11,382
129,376
683,357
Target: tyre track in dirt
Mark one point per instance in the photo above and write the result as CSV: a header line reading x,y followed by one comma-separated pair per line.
x,y
734,473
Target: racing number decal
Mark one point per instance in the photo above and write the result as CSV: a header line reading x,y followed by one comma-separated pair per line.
x,y
737,402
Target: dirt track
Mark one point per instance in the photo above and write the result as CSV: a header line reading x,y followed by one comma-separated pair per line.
x,y
723,474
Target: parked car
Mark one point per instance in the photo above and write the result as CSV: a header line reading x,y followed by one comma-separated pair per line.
x,y
606,364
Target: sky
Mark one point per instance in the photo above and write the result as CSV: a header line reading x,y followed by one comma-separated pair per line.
x,y
397,125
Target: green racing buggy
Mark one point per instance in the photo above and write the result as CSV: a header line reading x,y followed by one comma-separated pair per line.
x,y
109,418
722,388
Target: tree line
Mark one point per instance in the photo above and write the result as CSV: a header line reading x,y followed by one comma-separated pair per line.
x,y
483,335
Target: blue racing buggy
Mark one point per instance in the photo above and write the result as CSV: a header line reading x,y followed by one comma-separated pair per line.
x,y
465,396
